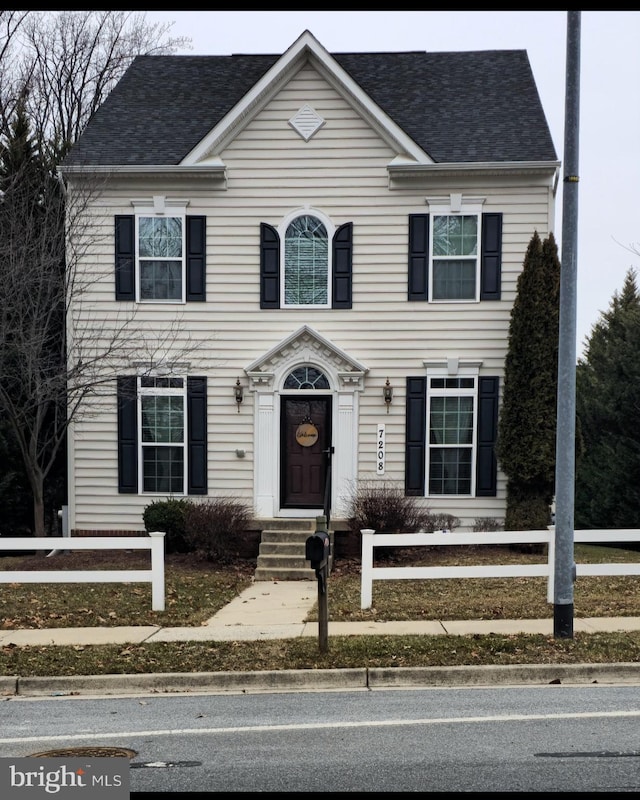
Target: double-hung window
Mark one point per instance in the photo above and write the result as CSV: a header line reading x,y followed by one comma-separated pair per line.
x,y
162,434
455,252
454,249
162,409
454,256
160,253
451,425
161,270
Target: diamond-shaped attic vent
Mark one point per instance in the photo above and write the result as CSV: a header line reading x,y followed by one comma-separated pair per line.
x,y
306,122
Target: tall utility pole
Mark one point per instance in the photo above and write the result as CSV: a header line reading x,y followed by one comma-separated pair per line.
x,y
564,574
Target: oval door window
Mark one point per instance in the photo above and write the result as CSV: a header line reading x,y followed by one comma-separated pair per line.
x,y
306,434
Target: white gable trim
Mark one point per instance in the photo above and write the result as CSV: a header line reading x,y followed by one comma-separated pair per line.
x,y
304,345
305,48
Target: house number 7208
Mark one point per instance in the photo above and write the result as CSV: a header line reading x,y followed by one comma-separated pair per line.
x,y
380,451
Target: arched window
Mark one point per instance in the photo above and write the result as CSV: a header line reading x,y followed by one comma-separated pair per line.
x,y
306,378
306,262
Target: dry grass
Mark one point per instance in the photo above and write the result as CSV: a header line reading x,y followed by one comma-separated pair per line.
x,y
195,590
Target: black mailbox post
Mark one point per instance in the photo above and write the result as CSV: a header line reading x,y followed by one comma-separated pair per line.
x,y
317,552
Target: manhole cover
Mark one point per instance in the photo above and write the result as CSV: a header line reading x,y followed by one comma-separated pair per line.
x,y
87,752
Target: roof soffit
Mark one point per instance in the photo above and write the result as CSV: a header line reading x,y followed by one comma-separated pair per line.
x,y
306,49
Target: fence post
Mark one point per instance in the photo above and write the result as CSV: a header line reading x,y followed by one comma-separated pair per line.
x,y
157,570
366,583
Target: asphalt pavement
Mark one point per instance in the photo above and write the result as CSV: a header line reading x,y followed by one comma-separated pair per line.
x,y
278,610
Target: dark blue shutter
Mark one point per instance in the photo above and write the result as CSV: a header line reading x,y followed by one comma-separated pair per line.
x,y
486,467
197,435
491,257
418,288
342,266
269,267
196,258
125,226
127,436
416,418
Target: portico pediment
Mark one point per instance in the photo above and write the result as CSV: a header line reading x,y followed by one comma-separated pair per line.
x,y
306,346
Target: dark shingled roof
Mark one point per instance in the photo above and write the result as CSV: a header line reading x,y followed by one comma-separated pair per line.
x,y
458,107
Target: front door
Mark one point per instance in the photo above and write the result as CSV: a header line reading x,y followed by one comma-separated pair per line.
x,y
305,439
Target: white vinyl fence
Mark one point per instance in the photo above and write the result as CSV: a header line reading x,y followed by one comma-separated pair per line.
x,y
371,539
153,542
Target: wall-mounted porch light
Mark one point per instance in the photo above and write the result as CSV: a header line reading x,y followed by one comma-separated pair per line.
x,y
387,392
239,393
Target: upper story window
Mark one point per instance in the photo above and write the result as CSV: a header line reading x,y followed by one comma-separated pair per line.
x,y
161,258
306,262
455,252
160,253
454,257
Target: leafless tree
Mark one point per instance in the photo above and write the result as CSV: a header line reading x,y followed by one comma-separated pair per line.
x,y
67,62
46,375
56,68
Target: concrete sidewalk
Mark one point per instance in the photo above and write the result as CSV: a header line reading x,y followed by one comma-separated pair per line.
x,y
277,610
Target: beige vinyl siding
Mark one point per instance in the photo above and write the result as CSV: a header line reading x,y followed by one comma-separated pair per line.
x,y
271,172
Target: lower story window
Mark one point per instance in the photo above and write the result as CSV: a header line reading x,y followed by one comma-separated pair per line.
x,y
162,434
162,426
451,425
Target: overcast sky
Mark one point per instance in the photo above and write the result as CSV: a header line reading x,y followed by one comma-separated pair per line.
x,y
609,136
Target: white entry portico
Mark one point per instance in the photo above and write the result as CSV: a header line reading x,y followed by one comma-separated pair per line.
x,y
268,376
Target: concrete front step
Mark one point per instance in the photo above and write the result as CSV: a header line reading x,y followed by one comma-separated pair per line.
x,y
283,574
286,524
278,561
281,554
284,536
291,548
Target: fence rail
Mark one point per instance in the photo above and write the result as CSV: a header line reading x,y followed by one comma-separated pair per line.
x,y
153,542
371,540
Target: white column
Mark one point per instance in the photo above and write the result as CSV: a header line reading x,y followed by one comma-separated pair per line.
x,y
266,455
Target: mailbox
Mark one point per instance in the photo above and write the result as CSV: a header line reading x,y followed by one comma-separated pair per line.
x,y
317,548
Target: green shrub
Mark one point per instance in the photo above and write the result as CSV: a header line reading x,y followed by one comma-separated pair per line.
x,y
212,525
384,507
168,516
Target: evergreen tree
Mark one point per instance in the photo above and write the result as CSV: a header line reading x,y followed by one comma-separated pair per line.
x,y
608,406
527,425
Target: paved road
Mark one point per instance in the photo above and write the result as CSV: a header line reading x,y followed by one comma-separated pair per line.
x,y
545,738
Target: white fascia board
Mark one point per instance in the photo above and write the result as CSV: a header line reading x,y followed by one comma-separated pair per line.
x,y
307,46
402,169
212,169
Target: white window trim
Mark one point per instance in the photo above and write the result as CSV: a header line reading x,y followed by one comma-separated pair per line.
x,y
161,206
452,368
282,230
455,204
148,391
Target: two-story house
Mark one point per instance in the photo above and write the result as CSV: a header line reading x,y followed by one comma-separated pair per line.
x,y
314,257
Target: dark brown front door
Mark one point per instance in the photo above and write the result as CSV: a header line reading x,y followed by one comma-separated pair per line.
x,y
305,436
